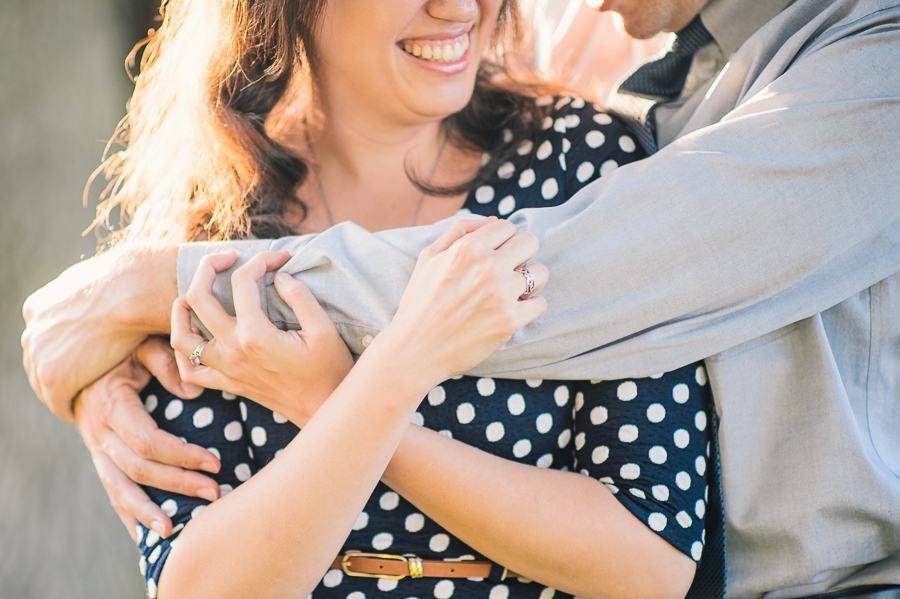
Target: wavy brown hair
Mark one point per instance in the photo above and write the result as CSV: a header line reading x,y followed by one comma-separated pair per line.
x,y
200,158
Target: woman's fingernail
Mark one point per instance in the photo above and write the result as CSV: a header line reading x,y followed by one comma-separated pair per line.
x,y
209,466
207,494
282,277
158,527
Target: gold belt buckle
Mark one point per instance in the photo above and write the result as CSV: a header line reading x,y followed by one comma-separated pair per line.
x,y
345,565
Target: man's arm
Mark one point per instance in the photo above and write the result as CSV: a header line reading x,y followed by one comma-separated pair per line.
x,y
780,211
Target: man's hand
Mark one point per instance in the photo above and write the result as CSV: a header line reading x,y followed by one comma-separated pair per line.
x,y
127,447
88,319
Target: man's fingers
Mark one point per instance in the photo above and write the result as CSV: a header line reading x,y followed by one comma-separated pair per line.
x,y
128,521
128,498
157,356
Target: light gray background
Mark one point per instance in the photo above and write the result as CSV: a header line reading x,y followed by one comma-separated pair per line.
x,y
62,90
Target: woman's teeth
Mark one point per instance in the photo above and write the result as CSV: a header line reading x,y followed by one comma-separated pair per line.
x,y
439,51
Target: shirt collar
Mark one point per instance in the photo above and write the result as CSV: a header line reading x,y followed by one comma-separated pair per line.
x,y
732,22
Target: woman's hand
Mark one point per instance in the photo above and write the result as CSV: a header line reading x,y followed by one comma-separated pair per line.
x,y
91,317
127,447
290,372
464,300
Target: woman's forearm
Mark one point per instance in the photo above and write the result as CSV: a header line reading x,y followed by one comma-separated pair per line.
x,y
561,529
277,534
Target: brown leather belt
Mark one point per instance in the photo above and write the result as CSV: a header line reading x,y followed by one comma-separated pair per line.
x,y
395,567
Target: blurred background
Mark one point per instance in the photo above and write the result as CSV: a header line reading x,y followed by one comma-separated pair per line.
x,y
63,88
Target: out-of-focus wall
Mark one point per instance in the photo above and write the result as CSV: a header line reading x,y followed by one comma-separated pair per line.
x,y
62,90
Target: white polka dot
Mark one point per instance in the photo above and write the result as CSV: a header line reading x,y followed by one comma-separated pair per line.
x,y
545,461
599,415
697,551
506,205
174,409
447,433
584,172
572,121
544,150
278,418
549,189
559,125
465,413
152,539
516,404
196,511
700,465
681,393
142,566
544,101
418,419
494,432
547,123
389,501
507,136
228,396
501,591
484,194
608,167
638,493
506,170
594,139
361,521
579,440
681,438
385,585
154,555
564,438
139,532
563,101
600,454
169,507
700,420
439,543
234,431
414,522
242,472
700,376
214,451
566,145
486,387
627,391
258,436
577,103
151,403
628,433
627,144
225,490
630,471
151,589
602,119
683,480
561,395
527,178
657,521
382,540
356,595
524,147
684,520
534,383
579,401
658,454
700,508
660,492
437,396
562,161
522,448
444,589
544,423
332,578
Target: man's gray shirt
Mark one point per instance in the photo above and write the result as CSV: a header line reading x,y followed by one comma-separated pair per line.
x,y
765,238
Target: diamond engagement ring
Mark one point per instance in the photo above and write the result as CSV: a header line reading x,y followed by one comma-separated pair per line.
x,y
195,355
529,280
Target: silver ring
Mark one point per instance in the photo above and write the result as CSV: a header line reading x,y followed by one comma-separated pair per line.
x,y
529,280
197,353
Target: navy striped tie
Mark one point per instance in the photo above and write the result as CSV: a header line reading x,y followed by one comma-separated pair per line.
x,y
656,81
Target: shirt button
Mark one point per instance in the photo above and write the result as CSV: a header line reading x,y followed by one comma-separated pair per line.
x,y
366,340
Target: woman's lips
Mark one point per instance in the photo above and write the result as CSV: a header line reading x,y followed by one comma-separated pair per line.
x,y
449,50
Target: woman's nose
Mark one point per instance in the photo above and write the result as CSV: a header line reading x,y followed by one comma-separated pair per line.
x,y
458,11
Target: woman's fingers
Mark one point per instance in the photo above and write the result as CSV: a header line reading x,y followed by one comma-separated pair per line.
x,y
205,375
313,319
158,357
200,297
245,290
539,274
518,249
128,498
459,229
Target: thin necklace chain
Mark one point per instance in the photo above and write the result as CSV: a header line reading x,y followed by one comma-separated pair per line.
x,y
318,173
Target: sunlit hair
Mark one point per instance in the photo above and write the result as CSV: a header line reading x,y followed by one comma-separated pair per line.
x,y
200,157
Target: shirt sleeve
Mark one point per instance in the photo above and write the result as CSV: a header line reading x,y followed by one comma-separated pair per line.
x,y
778,211
216,421
647,440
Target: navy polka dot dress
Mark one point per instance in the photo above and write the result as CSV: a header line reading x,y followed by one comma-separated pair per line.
x,y
646,440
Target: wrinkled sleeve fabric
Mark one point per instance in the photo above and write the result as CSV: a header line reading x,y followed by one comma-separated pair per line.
x,y
782,209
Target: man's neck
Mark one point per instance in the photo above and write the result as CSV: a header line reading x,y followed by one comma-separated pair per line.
x,y
732,22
